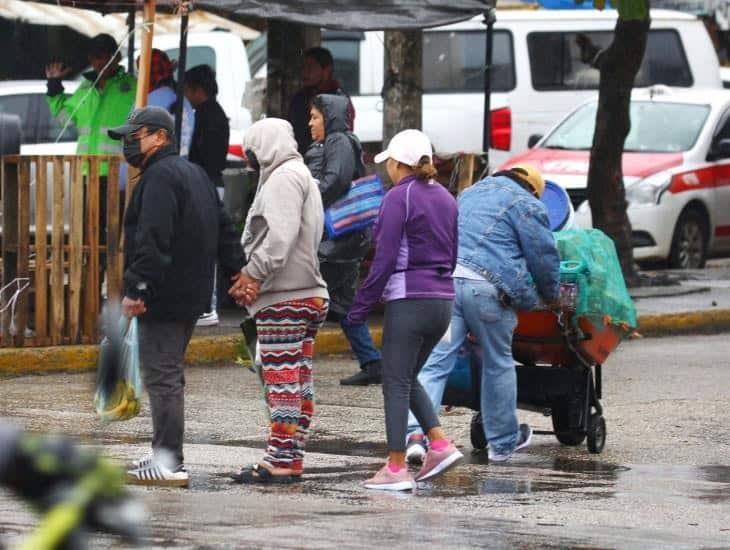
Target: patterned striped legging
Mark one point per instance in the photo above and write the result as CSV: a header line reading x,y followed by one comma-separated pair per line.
x,y
286,333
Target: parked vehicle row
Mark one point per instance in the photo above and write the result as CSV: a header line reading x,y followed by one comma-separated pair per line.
x,y
537,73
674,165
676,168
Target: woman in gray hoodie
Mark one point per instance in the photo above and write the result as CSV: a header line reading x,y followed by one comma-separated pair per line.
x,y
284,292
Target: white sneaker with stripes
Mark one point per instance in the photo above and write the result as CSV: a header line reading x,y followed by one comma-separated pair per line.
x,y
146,460
153,473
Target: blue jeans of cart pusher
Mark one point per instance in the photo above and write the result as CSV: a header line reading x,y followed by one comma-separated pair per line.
x,y
477,310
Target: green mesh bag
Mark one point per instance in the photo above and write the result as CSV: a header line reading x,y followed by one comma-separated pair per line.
x,y
590,274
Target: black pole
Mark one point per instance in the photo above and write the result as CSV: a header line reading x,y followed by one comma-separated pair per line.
x,y
181,61
489,19
130,42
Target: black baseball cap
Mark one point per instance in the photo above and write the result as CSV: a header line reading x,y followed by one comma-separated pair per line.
x,y
145,117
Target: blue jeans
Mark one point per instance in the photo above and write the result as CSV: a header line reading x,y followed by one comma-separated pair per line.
x,y
361,342
477,310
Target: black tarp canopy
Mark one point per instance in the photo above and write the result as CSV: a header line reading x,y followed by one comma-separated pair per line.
x,y
336,14
361,15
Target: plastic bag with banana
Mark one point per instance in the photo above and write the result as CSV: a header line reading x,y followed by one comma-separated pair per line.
x,y
118,381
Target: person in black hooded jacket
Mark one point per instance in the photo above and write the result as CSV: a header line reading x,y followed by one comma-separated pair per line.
x,y
335,160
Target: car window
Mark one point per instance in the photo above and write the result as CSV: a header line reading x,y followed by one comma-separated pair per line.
x,y
555,62
257,53
197,55
453,61
21,106
656,127
724,131
346,55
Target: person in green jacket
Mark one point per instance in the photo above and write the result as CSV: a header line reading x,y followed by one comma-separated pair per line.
x,y
102,101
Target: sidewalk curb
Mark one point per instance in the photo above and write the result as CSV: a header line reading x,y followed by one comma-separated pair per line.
x,y
691,322
216,349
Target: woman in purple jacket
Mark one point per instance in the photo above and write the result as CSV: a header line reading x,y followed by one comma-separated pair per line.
x,y
416,242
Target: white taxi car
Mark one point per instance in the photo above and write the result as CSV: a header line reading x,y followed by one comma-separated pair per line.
x,y
676,168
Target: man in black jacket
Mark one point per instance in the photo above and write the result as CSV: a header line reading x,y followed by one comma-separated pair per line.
x,y
175,230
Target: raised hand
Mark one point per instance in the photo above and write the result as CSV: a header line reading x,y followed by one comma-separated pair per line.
x,y
57,69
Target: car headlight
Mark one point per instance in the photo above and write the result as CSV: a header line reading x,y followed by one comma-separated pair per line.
x,y
649,190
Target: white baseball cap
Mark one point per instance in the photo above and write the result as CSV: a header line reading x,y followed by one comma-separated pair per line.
x,y
408,147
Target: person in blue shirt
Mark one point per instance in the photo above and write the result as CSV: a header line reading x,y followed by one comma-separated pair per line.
x,y
163,93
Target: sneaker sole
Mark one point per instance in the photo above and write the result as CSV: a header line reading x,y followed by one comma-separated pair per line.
x,y
185,483
207,323
399,486
449,462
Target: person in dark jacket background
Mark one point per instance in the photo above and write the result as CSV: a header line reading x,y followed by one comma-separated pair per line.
x,y
209,147
318,69
335,160
175,229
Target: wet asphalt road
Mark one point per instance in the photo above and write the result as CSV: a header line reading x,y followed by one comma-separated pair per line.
x,y
663,479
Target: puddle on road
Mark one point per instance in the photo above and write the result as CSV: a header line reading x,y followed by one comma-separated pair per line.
x,y
531,474
587,478
341,447
719,476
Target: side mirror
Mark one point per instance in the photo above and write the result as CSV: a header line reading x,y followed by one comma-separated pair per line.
x,y
533,139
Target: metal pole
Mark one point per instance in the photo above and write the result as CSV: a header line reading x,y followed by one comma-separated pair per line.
x,y
145,54
489,19
181,62
130,42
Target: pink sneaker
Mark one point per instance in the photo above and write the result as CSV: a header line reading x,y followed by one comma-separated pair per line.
x,y
437,462
385,480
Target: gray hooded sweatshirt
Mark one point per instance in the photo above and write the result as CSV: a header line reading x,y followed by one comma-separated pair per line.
x,y
285,223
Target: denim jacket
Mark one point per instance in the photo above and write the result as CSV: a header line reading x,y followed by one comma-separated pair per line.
x,y
504,235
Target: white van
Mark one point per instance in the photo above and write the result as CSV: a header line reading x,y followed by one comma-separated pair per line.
x,y
537,74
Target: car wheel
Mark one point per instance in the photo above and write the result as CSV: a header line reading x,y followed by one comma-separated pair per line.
x,y
689,244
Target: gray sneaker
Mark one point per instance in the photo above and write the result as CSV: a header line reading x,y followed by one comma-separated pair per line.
x,y
525,437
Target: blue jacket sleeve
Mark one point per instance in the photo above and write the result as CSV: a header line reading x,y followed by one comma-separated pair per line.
x,y
540,251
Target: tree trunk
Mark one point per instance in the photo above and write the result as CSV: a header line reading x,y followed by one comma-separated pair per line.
x,y
402,88
285,45
618,64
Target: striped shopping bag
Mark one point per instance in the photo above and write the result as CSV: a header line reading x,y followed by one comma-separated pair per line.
x,y
357,210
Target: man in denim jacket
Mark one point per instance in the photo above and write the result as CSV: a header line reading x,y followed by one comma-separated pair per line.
x,y
507,262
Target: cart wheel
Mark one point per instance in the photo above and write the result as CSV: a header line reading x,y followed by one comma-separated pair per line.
x,y
564,433
596,433
478,439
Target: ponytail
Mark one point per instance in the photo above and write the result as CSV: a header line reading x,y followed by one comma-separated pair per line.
x,y
425,170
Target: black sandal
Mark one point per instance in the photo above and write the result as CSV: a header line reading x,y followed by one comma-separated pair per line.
x,y
255,473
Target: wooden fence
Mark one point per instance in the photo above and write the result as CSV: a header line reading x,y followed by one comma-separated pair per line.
x,y
52,236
